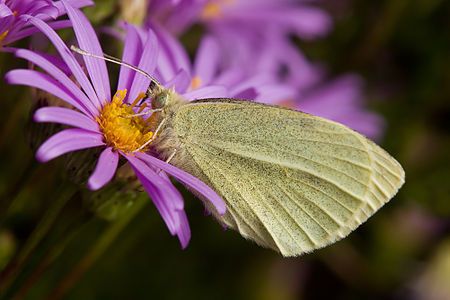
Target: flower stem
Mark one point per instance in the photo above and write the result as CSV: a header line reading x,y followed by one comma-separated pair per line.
x,y
102,244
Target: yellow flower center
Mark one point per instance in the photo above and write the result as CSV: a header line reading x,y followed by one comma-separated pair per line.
x,y
121,129
213,9
196,82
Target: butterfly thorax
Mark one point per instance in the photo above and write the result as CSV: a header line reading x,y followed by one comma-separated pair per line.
x,y
168,102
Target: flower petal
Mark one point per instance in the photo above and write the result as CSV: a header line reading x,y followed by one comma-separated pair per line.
x,y
176,220
184,233
67,141
180,83
105,169
45,83
147,63
162,192
68,57
212,91
131,53
187,179
88,40
5,11
169,215
65,116
166,186
207,60
247,94
20,34
51,69
275,93
172,56
73,3
308,22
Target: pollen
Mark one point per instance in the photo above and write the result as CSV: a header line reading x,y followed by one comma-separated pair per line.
x,y
211,10
122,130
196,82
214,9
3,35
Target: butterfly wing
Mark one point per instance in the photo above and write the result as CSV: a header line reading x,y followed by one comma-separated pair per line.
x,y
292,182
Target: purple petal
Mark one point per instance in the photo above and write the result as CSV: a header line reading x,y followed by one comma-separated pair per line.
x,y
308,22
169,215
32,30
65,116
230,77
87,40
5,11
173,56
46,13
67,141
45,83
184,233
147,63
69,59
252,82
271,94
162,192
105,169
176,220
73,3
169,190
365,122
188,180
51,69
131,54
207,60
212,91
247,94
180,83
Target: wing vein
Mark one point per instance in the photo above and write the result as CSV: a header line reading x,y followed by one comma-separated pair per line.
x,y
264,159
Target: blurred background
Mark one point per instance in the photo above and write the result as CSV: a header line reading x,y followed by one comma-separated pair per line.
x,y
56,241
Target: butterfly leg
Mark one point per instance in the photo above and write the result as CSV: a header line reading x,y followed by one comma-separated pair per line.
x,y
153,136
171,156
148,112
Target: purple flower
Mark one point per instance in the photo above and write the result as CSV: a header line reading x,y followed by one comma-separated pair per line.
x,y
288,15
14,14
99,120
339,100
175,15
292,80
208,76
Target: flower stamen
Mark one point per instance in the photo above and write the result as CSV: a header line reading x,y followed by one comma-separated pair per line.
x,y
138,98
122,133
211,10
196,82
214,10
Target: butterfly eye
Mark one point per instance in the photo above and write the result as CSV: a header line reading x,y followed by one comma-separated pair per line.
x,y
160,101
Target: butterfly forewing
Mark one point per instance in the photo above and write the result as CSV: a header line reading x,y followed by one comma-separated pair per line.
x,y
292,182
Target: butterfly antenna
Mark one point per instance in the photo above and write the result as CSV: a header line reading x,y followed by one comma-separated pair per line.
x,y
117,61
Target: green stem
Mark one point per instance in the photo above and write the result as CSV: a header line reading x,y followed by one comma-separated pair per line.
x,y
9,275
108,237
